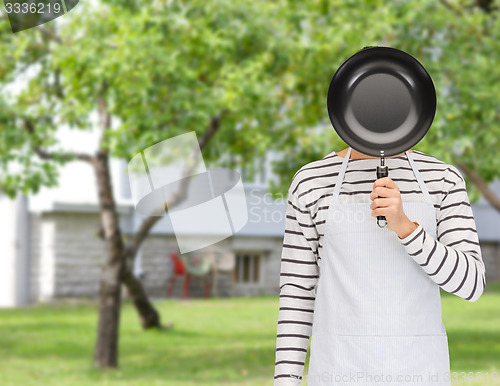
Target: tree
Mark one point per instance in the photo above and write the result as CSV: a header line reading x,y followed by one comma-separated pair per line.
x,y
456,41
150,71
247,76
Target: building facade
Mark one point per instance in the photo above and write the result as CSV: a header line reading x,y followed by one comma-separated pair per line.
x,y
51,250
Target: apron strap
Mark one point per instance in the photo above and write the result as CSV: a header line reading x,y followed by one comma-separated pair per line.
x,y
425,192
340,177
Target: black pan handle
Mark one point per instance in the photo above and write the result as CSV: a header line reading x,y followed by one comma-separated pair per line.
x,y
382,171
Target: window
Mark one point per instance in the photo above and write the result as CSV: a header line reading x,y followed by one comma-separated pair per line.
x,y
248,266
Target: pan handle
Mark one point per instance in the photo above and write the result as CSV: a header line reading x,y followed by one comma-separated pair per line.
x,y
382,171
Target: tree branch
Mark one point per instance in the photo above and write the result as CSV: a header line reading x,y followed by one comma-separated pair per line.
x,y
47,155
481,184
148,223
212,128
452,7
104,115
49,34
486,5
57,84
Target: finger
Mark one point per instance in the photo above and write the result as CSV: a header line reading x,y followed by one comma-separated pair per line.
x,y
382,191
386,212
385,181
381,203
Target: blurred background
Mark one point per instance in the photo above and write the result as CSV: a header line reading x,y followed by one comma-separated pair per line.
x,y
92,292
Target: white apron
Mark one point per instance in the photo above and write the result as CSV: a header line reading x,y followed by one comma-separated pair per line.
x,y
377,315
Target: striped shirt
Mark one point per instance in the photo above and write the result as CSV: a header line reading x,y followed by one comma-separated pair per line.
x,y
453,260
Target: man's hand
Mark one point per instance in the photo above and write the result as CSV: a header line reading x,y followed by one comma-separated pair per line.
x,y
386,201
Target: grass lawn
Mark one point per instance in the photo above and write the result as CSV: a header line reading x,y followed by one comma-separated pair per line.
x,y
213,342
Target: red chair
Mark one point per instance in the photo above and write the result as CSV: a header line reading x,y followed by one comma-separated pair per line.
x,y
180,270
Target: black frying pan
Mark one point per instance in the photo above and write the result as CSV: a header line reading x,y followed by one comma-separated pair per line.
x,y
381,102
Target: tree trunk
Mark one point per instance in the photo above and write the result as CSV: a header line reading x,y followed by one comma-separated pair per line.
x,y
148,315
106,350
481,184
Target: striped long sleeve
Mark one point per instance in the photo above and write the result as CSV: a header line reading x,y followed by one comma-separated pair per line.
x,y
454,260
298,280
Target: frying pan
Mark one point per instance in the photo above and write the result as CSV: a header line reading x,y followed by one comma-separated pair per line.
x,y
381,101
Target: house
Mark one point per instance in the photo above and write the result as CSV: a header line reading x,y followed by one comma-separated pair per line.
x,y
50,249
488,229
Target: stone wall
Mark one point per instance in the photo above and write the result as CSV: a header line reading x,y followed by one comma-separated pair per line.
x,y
491,257
66,255
66,259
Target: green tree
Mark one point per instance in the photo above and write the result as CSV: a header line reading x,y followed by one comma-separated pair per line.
x,y
458,42
150,70
247,76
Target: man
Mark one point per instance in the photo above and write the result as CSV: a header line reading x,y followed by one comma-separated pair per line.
x,y
369,295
